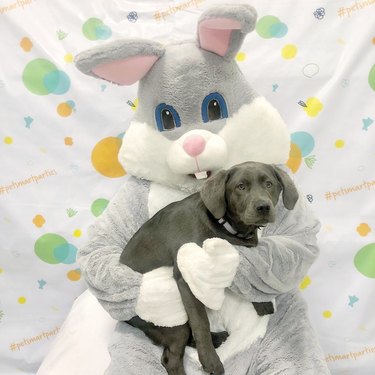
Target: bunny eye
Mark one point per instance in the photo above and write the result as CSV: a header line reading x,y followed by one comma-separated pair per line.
x,y
166,117
214,107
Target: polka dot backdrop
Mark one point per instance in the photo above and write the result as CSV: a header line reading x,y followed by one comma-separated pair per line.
x,y
61,132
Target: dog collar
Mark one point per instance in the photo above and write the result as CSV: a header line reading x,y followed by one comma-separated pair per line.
x,y
227,226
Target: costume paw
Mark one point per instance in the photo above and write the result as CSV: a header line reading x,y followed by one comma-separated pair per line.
x,y
159,299
209,269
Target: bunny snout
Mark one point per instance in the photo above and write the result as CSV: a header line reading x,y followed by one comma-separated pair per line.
x,y
197,153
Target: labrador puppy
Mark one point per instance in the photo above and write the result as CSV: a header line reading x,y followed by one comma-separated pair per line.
x,y
231,205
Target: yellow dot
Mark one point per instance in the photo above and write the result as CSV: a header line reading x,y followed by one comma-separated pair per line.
x,y
305,283
241,56
289,51
8,140
68,58
327,314
136,101
77,233
1,270
64,109
22,300
340,143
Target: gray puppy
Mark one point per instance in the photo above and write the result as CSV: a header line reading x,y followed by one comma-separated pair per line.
x,y
231,205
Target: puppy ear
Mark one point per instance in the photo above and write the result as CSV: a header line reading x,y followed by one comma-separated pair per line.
x,y
290,193
213,194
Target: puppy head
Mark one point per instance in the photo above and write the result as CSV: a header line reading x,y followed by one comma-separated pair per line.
x,y
248,193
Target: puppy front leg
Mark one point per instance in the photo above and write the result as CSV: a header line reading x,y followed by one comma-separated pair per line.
x,y
200,327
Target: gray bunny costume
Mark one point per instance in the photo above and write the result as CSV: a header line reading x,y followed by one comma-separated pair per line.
x,y
197,114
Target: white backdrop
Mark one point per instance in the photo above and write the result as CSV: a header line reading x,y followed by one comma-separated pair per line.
x,y
60,132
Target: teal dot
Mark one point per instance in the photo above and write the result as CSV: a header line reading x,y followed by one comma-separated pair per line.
x,y
103,32
98,206
57,82
279,30
66,253
364,260
304,141
71,104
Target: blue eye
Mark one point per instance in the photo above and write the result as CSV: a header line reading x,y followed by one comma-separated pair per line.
x,y
166,117
214,107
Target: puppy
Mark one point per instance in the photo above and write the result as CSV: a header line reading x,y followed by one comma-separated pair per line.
x,y
231,205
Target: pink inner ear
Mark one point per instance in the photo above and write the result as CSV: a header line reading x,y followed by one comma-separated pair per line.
x,y
127,71
215,33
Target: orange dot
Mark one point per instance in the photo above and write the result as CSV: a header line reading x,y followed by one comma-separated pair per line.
x,y
373,41
295,158
74,275
104,157
39,221
363,229
68,141
64,109
26,44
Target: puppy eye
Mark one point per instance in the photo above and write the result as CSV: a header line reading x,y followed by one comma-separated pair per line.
x,y
214,107
166,117
241,186
269,184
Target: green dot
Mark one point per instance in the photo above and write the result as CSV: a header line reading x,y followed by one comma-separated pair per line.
x,y
98,206
34,75
364,260
371,77
90,27
45,247
264,26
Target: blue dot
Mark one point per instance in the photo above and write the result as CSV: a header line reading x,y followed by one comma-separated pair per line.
x,y
304,141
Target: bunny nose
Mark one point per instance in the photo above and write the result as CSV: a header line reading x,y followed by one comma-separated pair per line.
x,y
194,145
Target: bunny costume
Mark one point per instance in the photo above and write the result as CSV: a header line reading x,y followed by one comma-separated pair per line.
x,y
197,114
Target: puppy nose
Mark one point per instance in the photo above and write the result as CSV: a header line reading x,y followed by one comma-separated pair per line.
x,y
194,145
263,208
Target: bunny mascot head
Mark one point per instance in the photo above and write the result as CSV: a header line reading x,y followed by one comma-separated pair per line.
x,y
197,113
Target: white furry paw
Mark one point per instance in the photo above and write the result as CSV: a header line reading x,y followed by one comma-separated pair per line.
x,y
208,270
159,299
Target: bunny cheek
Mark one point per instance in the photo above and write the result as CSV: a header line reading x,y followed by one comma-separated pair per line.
x,y
197,153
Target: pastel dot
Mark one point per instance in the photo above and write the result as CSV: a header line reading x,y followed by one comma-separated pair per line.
x,y
305,283
373,40
371,77
363,229
74,275
289,51
364,260
241,56
327,314
68,141
340,143
26,44
39,221
1,270
104,157
313,107
64,109
98,206
22,300
8,140
77,233
68,58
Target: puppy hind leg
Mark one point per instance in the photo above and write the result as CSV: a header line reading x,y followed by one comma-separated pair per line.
x,y
175,343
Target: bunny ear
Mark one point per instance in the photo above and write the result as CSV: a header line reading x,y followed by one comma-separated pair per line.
x,y
222,29
123,62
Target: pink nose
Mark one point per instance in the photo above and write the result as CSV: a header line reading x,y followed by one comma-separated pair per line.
x,y
194,145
